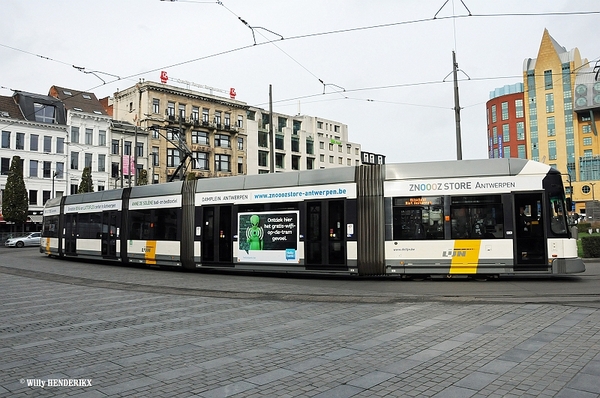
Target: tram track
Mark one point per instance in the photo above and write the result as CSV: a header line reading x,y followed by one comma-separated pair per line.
x,y
571,299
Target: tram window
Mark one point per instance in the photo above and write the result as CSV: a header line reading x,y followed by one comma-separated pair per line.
x,y
156,224
418,218
89,226
559,221
477,217
50,228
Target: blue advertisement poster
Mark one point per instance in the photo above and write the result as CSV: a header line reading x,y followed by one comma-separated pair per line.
x,y
268,237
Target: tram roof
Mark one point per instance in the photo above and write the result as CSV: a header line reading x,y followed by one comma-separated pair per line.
x,y
466,168
169,188
100,196
275,180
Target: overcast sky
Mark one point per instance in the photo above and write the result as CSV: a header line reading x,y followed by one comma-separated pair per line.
x,y
385,65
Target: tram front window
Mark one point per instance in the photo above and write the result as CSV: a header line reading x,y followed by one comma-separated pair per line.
x,y
558,225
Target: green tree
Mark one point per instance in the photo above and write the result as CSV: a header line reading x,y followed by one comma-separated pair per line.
x,y
14,201
86,184
142,178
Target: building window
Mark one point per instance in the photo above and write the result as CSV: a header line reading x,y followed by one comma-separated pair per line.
x,y
227,119
114,147
114,170
74,135
33,168
33,197
552,149
505,133
102,137
331,159
586,129
127,148
222,141
74,160
295,144
205,115
222,162
4,166
310,146
240,121
88,161
171,110
504,107
139,149
519,108
200,137
548,79
33,142
339,148
551,126
322,158
263,158
281,124
20,144
240,164
506,152
218,118
47,144
321,145
44,113
47,169
310,163
279,141
549,103
172,157
155,134
319,125
280,160
587,141
263,139
89,134
240,146
101,162
182,111
295,162
60,169
195,114
155,105
6,139
155,156
520,131
494,117
201,160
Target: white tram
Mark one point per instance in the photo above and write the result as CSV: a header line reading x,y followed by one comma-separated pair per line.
x,y
470,217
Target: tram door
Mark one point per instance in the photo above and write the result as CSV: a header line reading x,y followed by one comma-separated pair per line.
x,y
530,243
325,240
109,234
71,234
217,237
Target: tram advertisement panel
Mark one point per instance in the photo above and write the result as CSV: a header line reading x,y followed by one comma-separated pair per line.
x,y
268,237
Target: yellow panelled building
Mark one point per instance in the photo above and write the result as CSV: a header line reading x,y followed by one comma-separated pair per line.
x,y
562,111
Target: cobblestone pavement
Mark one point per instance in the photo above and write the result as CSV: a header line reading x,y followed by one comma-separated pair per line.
x,y
129,343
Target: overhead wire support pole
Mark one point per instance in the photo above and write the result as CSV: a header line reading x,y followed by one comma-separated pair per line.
x,y
456,108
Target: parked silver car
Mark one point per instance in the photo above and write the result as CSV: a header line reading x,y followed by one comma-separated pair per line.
x,y
30,239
